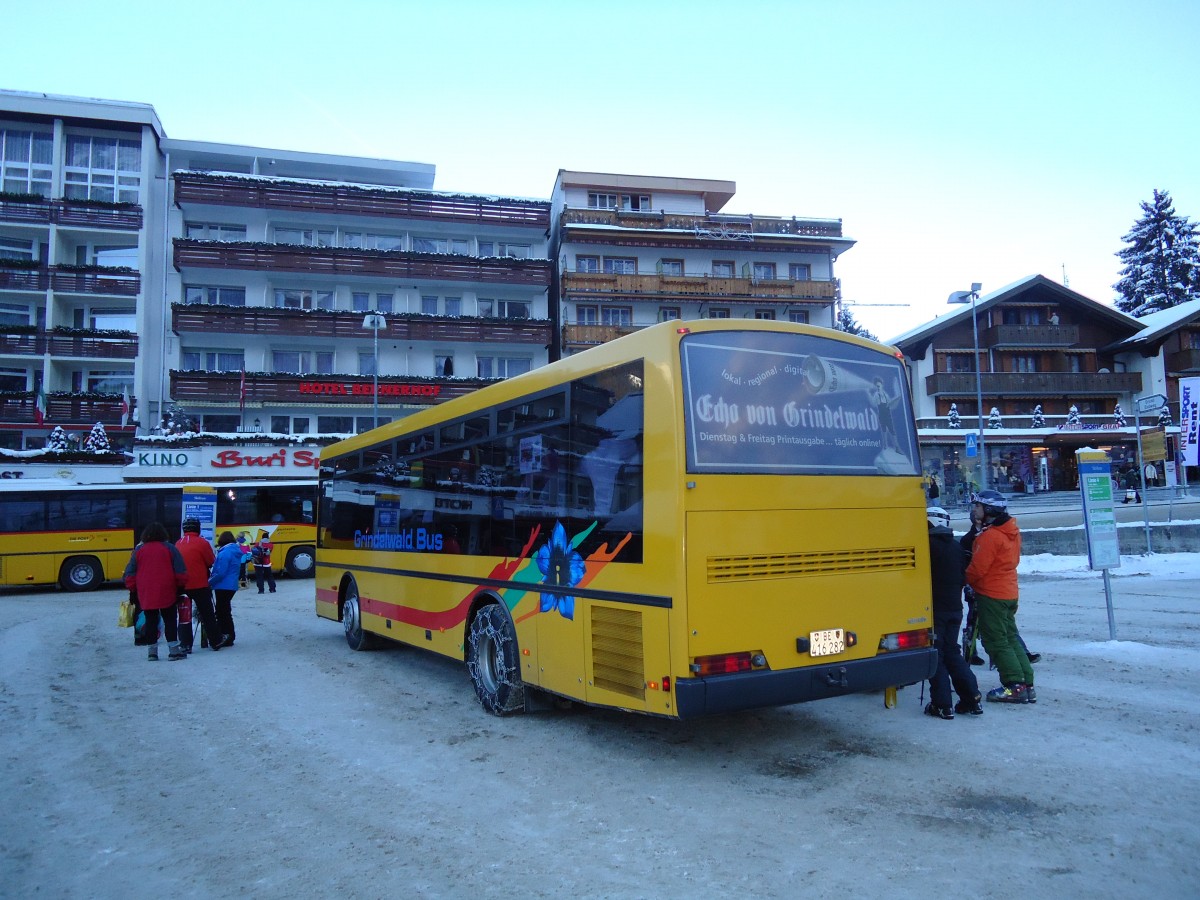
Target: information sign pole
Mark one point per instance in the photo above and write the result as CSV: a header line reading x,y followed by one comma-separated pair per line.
x,y
1100,520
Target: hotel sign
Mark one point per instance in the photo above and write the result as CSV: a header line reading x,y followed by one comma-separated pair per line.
x,y
356,389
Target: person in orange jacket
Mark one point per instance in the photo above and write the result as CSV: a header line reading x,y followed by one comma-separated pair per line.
x,y
992,575
198,556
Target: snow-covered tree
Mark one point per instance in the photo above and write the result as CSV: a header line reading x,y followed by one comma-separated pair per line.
x,y
1118,416
1073,415
57,439
845,322
994,420
1164,417
1039,420
952,420
97,441
1162,261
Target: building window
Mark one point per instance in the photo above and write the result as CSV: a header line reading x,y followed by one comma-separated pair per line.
x,y
445,245
616,315
620,265
300,425
635,201
302,362
14,379
212,294
764,271
767,315
306,237
800,272
17,248
587,315
106,319
958,362
602,201
513,309
668,313
366,363
502,366
799,316
90,254
722,268
213,360
1024,364
360,301
429,305
443,364
719,312
214,231
454,306
301,299
670,267
280,425
335,424
102,169
500,248
587,264
15,314
26,160
1074,362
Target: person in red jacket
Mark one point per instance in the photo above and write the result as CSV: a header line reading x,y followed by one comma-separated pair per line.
x,y
157,572
198,556
992,575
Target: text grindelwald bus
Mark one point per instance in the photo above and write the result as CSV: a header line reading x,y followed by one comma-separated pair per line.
x,y
684,521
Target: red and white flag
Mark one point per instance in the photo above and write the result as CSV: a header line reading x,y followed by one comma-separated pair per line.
x,y
126,407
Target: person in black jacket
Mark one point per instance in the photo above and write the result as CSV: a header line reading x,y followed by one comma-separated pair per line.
x,y
948,564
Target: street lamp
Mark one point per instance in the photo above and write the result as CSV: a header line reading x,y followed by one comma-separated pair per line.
x,y
375,321
970,297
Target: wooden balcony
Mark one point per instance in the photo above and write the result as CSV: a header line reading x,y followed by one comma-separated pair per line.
x,y
69,412
1184,361
1046,384
96,280
60,345
72,214
262,320
342,262
1000,336
24,279
354,391
697,286
352,200
590,335
712,226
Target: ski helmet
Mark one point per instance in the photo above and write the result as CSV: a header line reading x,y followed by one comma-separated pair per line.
x,y
938,516
993,502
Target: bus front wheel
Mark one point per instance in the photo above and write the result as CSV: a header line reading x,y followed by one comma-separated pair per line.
x,y
494,661
301,562
81,573
352,621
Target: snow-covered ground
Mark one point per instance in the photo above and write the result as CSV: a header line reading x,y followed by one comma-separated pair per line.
x,y
289,766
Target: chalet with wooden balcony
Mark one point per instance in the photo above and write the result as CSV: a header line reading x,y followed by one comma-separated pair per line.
x,y
1054,372
634,250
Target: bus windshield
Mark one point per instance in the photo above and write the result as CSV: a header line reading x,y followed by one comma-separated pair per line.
x,y
794,404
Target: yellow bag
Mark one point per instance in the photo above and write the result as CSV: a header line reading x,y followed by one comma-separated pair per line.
x,y
126,613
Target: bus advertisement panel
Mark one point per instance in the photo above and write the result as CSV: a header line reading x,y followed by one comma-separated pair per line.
x,y
684,521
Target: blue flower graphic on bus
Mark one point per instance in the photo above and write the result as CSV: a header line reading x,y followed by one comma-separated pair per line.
x,y
560,566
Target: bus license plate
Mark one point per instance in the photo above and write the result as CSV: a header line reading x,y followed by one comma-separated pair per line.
x,y
826,643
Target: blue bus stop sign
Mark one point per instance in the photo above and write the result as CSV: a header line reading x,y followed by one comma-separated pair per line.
x,y
972,445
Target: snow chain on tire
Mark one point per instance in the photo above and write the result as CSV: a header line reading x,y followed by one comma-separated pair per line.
x,y
494,661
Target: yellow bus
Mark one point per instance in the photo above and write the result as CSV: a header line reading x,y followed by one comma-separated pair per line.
x,y
688,520
80,535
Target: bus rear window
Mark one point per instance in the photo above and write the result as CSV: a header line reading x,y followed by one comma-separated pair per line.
x,y
774,403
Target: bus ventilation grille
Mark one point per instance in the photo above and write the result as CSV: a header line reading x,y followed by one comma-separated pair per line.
x,y
815,562
617,663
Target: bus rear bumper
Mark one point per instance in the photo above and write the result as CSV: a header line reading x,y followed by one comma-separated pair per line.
x,y
748,690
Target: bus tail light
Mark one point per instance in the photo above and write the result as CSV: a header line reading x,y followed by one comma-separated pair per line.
x,y
905,640
722,664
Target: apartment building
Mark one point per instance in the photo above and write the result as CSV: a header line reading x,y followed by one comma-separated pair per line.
x,y
632,250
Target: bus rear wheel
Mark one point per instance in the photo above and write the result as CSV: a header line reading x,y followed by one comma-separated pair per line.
x,y
81,573
494,661
352,621
301,562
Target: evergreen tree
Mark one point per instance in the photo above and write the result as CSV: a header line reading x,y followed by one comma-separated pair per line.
x,y
994,420
1039,420
1118,416
952,420
97,441
845,322
57,439
1162,261
1073,415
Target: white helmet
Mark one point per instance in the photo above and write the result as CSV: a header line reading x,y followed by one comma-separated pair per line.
x,y
938,516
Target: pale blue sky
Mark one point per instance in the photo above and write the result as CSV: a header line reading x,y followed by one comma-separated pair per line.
x,y
957,141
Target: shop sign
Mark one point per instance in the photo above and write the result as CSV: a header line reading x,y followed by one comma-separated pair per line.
x,y
226,462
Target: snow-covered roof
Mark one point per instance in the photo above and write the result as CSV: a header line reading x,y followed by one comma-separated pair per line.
x,y
1158,325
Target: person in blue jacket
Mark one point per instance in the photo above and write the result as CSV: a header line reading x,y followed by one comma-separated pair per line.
x,y
224,582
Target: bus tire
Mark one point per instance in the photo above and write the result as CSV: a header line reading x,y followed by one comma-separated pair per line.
x,y
80,573
494,661
352,621
301,562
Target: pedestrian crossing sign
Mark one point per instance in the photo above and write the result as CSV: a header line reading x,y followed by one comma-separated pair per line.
x,y
972,445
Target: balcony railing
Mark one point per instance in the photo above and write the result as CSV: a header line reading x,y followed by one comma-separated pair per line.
x,y
345,261
1184,361
91,280
1030,336
69,412
711,226
24,279
342,199
272,387
699,286
970,423
589,335
59,345
263,320
1005,384
66,212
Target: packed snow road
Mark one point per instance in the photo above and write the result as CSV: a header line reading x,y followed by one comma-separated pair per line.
x,y
289,766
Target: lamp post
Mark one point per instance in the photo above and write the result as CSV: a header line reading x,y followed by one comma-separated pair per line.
x,y
964,297
375,321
